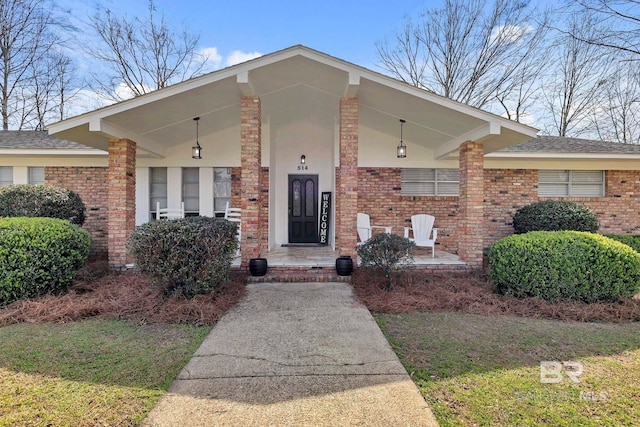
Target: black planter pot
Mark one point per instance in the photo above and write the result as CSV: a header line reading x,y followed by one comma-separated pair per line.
x,y
258,266
344,265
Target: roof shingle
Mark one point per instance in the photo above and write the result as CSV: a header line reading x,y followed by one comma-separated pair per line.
x,y
560,144
30,139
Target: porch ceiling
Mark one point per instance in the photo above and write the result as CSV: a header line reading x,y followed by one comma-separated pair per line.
x,y
295,79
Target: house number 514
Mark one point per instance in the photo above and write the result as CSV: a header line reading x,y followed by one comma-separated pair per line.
x,y
303,167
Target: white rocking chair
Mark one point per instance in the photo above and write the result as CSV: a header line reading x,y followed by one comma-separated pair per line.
x,y
169,213
422,229
234,215
365,229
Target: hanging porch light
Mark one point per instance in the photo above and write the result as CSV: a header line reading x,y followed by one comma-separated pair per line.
x,y
196,150
401,150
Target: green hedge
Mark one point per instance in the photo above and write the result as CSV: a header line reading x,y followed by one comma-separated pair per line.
x,y
29,200
633,241
554,215
185,256
564,265
39,256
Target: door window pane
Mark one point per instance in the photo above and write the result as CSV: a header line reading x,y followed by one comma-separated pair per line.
x,y
296,202
309,205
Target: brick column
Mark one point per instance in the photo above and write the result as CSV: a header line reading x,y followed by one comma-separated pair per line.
x,y
121,199
250,158
471,230
347,178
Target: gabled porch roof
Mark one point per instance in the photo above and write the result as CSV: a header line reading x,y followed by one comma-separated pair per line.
x,y
289,81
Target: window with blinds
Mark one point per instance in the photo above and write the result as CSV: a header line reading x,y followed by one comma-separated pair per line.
x,y
158,189
36,175
191,191
221,190
430,182
6,176
570,183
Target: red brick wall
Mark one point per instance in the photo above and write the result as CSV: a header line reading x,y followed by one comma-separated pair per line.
x,y
250,159
91,184
121,199
471,229
507,190
379,195
347,193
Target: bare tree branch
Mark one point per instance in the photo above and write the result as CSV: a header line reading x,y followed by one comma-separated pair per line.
x,y
27,35
471,51
142,55
617,25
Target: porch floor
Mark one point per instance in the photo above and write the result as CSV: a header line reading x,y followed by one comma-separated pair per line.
x,y
325,256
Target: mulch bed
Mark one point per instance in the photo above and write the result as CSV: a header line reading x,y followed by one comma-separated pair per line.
x,y
474,293
98,292
129,295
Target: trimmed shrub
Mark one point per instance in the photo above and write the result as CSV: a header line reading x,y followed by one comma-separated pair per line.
x,y
37,200
186,256
633,241
564,265
39,256
387,252
554,215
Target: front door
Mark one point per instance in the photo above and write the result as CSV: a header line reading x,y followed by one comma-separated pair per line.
x,y
303,208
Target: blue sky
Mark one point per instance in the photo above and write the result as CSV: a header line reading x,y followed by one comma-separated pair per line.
x,y
347,29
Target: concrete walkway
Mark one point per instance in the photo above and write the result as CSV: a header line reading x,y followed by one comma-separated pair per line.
x,y
294,354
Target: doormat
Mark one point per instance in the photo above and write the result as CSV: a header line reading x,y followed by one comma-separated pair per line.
x,y
301,245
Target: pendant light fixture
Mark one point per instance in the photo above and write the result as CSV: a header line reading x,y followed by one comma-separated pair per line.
x,y
401,149
196,150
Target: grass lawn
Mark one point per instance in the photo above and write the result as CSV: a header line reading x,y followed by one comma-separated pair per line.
x,y
485,370
89,373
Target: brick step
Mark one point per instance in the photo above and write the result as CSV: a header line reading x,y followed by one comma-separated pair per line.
x,y
299,274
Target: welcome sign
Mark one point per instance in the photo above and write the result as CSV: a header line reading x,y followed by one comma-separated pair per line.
x,y
325,218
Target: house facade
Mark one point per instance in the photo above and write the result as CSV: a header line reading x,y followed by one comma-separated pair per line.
x,y
284,132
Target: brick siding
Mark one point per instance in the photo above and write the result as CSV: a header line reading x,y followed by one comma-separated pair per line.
x,y
471,226
121,199
91,184
250,177
379,195
505,191
347,191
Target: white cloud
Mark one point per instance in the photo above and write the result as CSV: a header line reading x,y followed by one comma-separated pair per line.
x,y
212,59
512,33
236,57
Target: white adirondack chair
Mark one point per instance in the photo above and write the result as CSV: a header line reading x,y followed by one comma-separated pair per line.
x,y
169,213
423,232
365,229
234,215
